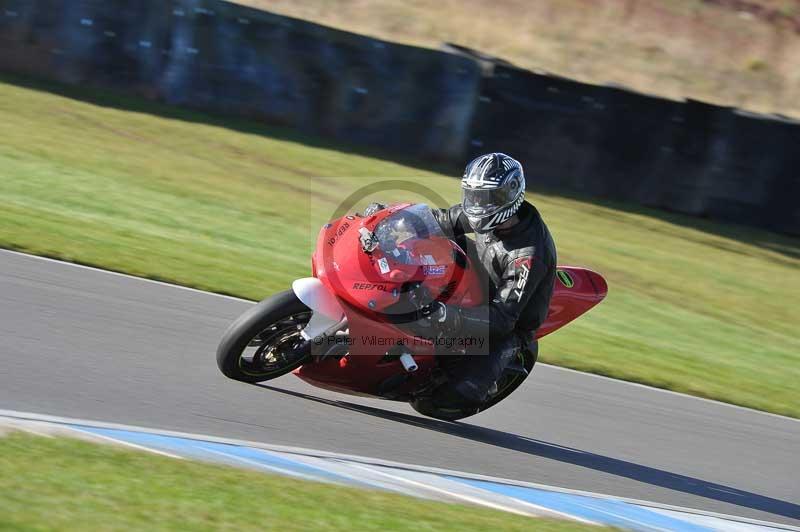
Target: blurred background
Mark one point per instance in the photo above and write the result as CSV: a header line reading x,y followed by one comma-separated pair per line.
x,y
637,100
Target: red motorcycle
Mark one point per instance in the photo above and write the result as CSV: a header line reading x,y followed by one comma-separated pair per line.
x,y
355,327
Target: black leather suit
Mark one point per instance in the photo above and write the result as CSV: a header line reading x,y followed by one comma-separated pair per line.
x,y
518,266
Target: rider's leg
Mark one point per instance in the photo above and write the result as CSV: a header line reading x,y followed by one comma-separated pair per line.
x,y
481,371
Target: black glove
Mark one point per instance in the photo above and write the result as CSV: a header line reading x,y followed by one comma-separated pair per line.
x,y
446,317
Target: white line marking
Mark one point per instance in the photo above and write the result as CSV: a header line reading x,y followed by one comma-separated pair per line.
x,y
293,473
453,494
546,510
624,518
261,465
127,443
233,298
365,460
345,463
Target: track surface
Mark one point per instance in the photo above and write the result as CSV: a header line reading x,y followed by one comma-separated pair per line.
x,y
88,344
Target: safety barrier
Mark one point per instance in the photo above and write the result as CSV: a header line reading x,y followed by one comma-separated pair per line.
x,y
689,157
223,57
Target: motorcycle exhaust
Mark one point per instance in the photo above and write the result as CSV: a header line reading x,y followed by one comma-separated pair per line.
x,y
408,362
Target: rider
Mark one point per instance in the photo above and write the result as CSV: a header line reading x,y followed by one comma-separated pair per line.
x,y
517,259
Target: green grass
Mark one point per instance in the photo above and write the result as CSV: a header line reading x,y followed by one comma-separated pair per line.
x,y
234,207
65,484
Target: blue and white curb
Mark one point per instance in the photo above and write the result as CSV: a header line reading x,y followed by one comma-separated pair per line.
x,y
501,494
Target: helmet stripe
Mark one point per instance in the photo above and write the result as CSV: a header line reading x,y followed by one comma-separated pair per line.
x,y
493,171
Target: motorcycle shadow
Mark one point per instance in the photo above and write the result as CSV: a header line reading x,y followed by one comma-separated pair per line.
x,y
587,459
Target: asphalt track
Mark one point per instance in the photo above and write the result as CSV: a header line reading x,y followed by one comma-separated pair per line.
x,y
88,344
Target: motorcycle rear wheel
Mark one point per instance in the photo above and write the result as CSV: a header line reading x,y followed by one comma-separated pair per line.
x,y
262,344
508,382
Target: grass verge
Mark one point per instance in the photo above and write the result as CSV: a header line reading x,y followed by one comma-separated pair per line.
x,y
65,484
234,207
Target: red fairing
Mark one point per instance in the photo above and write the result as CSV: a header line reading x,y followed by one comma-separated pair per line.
x,y
360,278
576,290
370,284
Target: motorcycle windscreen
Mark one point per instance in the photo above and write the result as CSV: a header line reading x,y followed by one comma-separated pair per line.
x,y
396,232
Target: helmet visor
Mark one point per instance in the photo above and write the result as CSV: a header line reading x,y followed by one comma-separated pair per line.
x,y
483,202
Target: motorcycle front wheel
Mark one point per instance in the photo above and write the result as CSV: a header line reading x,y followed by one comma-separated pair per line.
x,y
265,343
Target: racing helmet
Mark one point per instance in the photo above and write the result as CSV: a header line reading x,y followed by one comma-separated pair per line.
x,y
493,189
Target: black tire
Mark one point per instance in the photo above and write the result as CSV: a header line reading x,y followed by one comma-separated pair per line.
x,y
282,312
426,407
509,382
527,358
